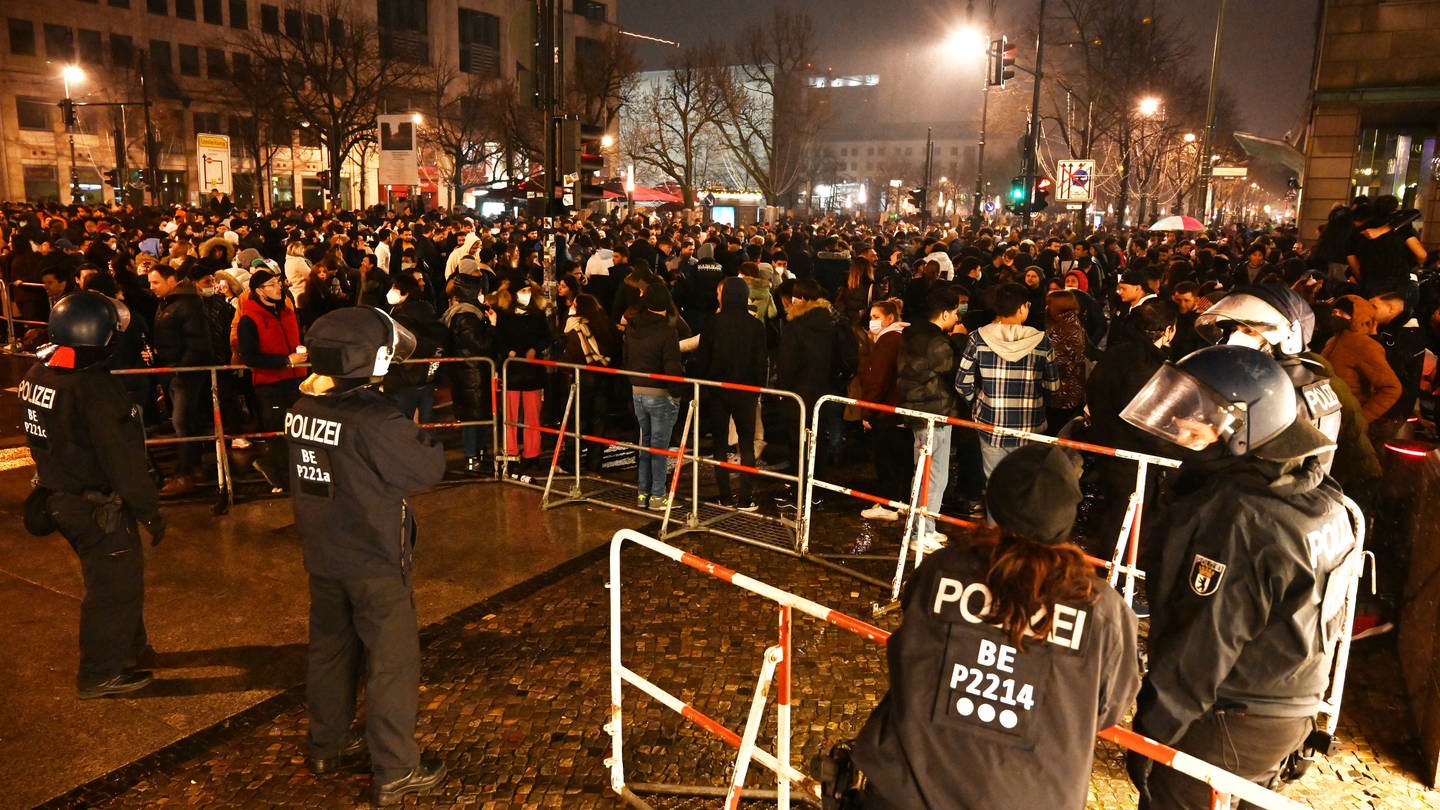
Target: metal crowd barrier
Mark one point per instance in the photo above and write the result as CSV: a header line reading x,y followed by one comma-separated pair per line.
x,y
776,666
13,344
1123,562
687,453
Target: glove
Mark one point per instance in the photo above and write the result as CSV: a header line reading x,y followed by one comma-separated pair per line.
x,y
1138,767
155,527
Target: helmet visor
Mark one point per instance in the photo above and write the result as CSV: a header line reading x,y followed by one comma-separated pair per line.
x,y
401,346
122,315
1183,411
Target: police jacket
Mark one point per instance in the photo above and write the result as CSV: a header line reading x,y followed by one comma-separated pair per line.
x,y
86,434
971,720
353,460
1247,593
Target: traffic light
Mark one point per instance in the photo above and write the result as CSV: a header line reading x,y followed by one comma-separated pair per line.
x,y
917,198
112,178
589,161
324,178
1002,63
1017,195
67,111
1040,200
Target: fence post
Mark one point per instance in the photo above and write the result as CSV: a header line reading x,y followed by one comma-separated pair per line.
x,y
697,466
782,708
1142,471
805,463
222,456
559,449
579,421
919,490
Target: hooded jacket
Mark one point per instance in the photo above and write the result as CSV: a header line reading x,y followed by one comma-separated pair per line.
x,y
652,346
470,335
1007,373
1360,361
806,350
732,344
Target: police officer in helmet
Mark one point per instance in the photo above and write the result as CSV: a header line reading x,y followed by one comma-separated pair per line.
x,y
92,484
1011,656
353,460
1276,320
1248,568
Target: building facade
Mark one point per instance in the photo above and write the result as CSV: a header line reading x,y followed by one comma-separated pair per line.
x,y
189,49
1375,114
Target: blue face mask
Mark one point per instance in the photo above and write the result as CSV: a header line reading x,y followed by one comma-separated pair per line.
x,y
963,308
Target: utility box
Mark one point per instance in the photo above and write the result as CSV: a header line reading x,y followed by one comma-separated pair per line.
x,y
1419,641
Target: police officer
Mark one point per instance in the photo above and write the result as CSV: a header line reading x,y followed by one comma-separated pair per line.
x,y
1011,656
353,460
1276,320
88,441
1248,588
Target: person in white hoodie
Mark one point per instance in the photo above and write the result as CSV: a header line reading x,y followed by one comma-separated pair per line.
x,y
452,263
1007,374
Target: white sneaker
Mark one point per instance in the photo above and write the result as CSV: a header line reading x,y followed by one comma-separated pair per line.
x,y
932,542
880,512
239,444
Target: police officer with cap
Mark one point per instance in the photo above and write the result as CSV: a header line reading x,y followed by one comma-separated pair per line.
x,y
1249,583
353,460
1276,320
92,484
1011,656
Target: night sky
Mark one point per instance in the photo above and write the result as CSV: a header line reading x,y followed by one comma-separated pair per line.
x,y
1265,63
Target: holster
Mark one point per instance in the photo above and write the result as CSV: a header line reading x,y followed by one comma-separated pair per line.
x,y
109,510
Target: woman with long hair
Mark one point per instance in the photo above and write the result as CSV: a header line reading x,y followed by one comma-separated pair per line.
x,y
1011,655
890,439
854,298
521,330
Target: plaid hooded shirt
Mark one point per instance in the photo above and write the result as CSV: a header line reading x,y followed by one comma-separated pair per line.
x,y
1006,373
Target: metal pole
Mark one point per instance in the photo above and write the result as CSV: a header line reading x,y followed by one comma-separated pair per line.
x,y
1207,139
929,162
976,211
70,118
1032,143
152,174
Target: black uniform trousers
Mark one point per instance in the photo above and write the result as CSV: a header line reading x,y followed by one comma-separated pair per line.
x,y
112,563
1248,745
369,622
275,399
725,405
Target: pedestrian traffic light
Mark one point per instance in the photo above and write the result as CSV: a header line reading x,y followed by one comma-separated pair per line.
x,y
589,162
67,111
1002,63
112,178
1040,200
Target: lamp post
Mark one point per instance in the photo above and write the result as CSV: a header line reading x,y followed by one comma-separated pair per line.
x,y
72,73
976,213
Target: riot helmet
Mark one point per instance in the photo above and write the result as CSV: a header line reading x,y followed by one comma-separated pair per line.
x,y
1235,396
87,320
1275,320
357,343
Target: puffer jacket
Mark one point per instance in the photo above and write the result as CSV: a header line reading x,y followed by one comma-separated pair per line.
x,y
926,369
803,361
471,335
652,346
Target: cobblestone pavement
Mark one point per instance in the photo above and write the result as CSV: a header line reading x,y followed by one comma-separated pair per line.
x,y
516,689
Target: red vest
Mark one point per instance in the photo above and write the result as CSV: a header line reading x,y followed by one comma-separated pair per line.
x,y
278,335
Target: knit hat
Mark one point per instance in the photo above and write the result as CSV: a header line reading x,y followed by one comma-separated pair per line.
x,y
1135,278
734,294
467,266
656,297
246,257
1034,492
260,277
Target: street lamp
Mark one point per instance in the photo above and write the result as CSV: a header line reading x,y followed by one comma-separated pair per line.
x,y
72,73
1149,106
417,119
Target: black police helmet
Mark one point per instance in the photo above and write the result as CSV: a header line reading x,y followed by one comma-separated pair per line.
x,y
84,320
357,343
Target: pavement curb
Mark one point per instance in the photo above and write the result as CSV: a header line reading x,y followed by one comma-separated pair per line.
x,y
104,788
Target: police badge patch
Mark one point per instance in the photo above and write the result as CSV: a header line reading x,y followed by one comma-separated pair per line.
x,y
1205,575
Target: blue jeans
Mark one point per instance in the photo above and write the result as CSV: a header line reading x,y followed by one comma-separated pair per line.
x,y
656,415
188,397
939,473
420,398
990,455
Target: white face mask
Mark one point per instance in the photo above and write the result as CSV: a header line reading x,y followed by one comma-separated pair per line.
x,y
876,325
393,297
522,298
573,311
1240,337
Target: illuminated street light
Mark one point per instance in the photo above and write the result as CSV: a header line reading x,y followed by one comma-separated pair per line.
x,y
417,119
72,73
607,140
1149,106
1189,137
966,41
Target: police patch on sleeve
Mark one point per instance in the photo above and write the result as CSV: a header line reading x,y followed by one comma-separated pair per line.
x,y
1205,575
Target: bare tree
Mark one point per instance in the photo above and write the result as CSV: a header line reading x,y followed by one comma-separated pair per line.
x,y
464,121
334,79
769,119
262,126
602,78
671,126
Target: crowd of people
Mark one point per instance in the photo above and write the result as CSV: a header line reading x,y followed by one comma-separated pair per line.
x,y
1327,352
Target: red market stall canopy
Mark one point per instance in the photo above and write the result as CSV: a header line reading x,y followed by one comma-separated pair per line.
x,y
644,194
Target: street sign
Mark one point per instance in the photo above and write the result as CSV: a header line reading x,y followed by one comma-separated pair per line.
x,y
1076,180
212,153
1229,171
1075,206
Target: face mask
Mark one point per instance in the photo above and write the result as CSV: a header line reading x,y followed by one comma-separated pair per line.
x,y
220,289
522,298
573,312
876,325
393,297
1241,338
963,308
407,265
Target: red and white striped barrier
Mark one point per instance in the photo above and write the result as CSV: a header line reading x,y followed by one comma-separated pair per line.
x,y
777,662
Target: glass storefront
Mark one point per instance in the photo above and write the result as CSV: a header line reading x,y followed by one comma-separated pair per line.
x,y
282,190
1398,161
42,183
172,188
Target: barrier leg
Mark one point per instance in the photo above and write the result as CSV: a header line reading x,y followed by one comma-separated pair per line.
x,y
805,481
773,656
616,726
222,457
496,423
1122,543
559,448
579,421
675,476
782,708
919,491
696,465
502,407
1142,470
